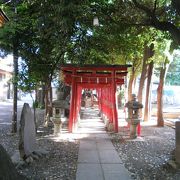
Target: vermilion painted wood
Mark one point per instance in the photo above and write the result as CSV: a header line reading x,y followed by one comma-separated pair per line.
x,y
89,80
114,108
139,129
104,79
71,67
72,102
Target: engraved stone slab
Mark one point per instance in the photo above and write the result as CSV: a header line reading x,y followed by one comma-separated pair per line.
x,y
27,132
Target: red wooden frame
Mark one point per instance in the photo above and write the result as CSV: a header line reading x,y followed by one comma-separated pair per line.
x,y
104,79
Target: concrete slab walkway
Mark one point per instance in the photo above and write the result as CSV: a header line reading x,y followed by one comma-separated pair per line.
x,y
98,159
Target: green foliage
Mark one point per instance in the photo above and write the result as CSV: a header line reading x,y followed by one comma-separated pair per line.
x,y
50,33
162,50
161,15
173,74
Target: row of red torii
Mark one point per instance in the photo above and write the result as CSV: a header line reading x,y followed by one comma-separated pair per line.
x,y
104,79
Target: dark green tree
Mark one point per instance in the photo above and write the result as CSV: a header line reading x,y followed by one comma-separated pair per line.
x,y
161,14
11,36
173,74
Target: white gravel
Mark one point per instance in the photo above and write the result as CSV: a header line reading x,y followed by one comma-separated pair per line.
x,y
59,163
147,157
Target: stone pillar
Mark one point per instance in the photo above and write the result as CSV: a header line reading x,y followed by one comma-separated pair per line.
x,y
133,128
177,151
133,115
57,126
56,119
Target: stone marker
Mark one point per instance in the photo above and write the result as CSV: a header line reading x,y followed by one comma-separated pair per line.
x,y
177,151
7,168
27,132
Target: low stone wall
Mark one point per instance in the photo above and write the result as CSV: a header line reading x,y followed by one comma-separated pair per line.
x,y
177,151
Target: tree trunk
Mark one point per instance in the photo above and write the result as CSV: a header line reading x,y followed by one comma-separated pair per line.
x,y
67,90
40,97
143,76
130,85
147,100
162,77
42,100
34,110
160,119
15,62
48,99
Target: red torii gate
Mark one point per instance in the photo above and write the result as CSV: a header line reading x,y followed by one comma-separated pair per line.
x,y
103,78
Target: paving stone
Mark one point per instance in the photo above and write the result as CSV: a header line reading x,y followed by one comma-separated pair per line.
x,y
115,172
98,159
88,156
116,176
109,156
105,145
88,145
89,172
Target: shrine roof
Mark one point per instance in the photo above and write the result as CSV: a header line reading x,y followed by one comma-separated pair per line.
x,y
94,67
94,74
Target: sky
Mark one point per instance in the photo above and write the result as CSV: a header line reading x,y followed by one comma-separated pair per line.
x,y
6,63
7,60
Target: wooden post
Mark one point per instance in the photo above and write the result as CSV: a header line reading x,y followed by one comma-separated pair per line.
x,y
139,129
114,106
102,101
74,126
110,105
72,103
108,102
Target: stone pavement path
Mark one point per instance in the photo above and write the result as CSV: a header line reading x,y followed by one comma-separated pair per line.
x,y
97,159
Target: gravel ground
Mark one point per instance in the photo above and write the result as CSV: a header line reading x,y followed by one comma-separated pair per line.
x,y
147,157
61,161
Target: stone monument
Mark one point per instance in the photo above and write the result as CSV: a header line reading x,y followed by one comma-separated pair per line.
x,y
133,115
27,132
28,150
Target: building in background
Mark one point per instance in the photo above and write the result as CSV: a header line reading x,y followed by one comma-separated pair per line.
x,y
6,73
6,69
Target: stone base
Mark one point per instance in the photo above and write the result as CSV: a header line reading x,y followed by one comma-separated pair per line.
x,y
57,129
133,127
57,126
110,127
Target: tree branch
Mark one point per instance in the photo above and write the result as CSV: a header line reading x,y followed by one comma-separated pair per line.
x,y
155,5
176,5
163,26
144,8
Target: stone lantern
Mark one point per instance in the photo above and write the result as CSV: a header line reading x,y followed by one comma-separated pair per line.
x,y
58,118
133,115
